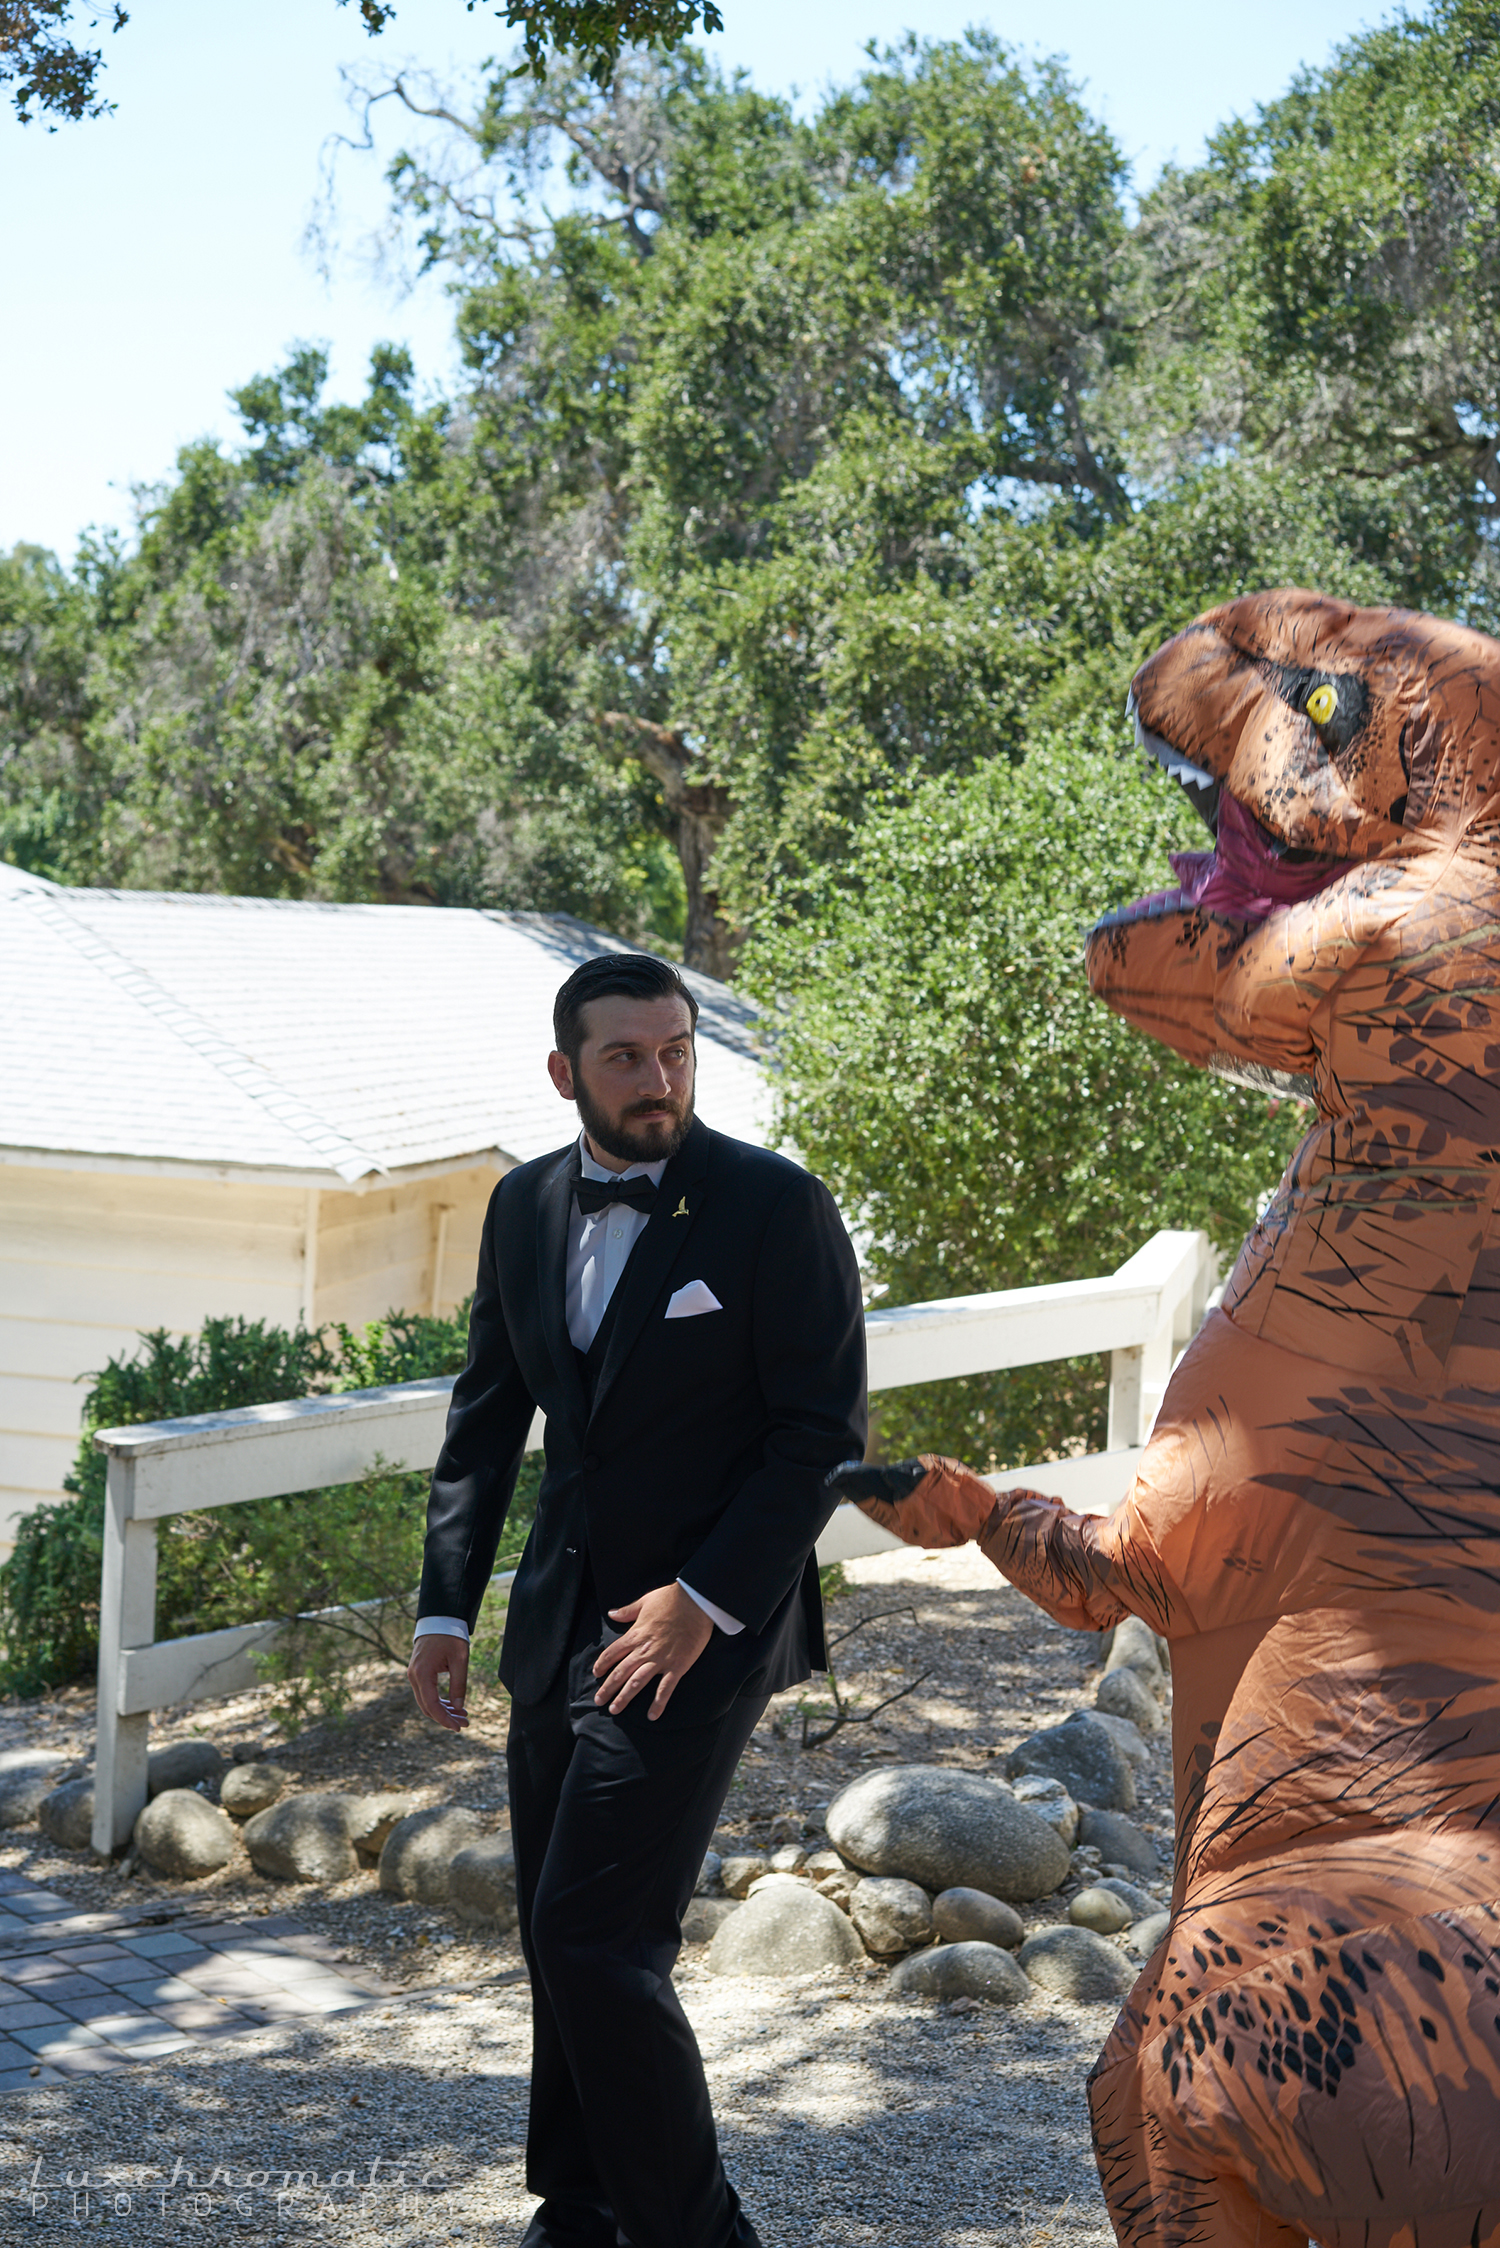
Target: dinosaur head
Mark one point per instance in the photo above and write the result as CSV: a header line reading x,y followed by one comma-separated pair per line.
x,y
1312,736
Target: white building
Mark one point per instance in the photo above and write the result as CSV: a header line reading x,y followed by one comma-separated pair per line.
x,y
216,1106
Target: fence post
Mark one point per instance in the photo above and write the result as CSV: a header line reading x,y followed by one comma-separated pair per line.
x,y
1125,1397
127,1618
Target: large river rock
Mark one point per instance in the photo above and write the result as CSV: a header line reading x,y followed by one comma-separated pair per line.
x,y
946,1829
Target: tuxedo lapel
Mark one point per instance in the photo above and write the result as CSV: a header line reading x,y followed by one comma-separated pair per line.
x,y
679,1198
554,1208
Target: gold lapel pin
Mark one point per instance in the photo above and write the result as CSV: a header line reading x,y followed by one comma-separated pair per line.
x,y
681,1210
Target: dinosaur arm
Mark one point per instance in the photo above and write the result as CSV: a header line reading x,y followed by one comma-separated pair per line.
x,y
1085,1572
1162,974
1210,987
1279,981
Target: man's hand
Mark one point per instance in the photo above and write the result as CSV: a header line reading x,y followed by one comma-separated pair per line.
x,y
435,1655
668,1632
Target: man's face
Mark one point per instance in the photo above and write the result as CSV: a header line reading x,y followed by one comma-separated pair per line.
x,y
633,1080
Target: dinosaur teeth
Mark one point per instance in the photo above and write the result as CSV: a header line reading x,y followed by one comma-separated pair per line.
x,y
1171,760
1177,767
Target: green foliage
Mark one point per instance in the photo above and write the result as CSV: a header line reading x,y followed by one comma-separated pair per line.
x,y
795,461
49,74
598,29
1329,282
945,1069
282,1558
53,76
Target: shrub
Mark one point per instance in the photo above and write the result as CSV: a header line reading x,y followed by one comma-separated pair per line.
x,y
49,1587
275,1558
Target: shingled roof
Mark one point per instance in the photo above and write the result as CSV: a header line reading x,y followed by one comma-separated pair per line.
x,y
318,1045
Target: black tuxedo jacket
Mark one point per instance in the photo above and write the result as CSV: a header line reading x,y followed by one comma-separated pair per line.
x,y
703,1452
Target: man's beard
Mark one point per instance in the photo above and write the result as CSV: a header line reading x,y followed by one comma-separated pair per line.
x,y
632,1138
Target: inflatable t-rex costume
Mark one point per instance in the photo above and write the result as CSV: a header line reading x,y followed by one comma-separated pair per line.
x,y
1314,2051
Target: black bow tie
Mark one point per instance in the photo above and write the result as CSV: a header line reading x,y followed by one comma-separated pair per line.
x,y
605,1194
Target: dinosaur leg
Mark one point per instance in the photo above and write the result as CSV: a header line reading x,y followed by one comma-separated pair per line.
x,y
1320,2082
1159,2193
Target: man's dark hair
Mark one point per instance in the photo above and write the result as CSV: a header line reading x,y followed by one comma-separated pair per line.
x,y
625,975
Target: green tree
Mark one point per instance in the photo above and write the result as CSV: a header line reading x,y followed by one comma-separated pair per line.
x,y
899,310
942,1064
1328,284
48,635
276,694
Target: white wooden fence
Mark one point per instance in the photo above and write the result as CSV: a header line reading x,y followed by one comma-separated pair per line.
x,y
1142,1315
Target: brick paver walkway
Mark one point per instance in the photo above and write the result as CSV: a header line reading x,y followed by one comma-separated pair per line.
x,y
81,1992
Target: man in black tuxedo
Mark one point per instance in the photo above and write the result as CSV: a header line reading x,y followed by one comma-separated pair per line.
x,y
686,1312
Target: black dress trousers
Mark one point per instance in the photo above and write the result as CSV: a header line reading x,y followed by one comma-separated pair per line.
x,y
610,1819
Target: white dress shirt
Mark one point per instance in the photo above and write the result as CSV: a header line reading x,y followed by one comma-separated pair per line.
x,y
598,1246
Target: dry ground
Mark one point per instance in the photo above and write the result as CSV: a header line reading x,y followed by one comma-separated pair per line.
x,y
849,2118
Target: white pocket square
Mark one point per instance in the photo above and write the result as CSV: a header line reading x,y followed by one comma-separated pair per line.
x,y
689,1302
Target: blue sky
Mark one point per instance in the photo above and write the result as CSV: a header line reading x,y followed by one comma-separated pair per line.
x,y
151,260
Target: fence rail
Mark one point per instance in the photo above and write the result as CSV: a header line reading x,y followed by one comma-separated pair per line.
x,y
1143,1315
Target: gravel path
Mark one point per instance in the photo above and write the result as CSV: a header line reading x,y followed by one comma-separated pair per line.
x,y
849,2119
846,2120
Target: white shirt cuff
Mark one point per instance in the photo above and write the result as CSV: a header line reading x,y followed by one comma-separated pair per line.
x,y
716,1615
454,1626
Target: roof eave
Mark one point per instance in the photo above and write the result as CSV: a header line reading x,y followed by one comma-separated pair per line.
x,y
253,1174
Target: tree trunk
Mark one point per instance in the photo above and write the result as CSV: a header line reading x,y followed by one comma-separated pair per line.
x,y
698,811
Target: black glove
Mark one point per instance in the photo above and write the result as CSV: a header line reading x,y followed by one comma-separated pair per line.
x,y
857,1479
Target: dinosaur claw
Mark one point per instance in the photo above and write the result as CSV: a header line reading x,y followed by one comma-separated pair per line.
x,y
860,1480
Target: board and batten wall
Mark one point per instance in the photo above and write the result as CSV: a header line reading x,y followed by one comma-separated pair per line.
x,y
91,1259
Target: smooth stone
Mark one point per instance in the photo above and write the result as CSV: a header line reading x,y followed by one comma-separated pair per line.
x,y
1101,1910
774,1881
790,1858
420,1850
302,1838
1082,1755
892,1916
371,1818
1143,1936
968,1970
1140,1901
184,1764
183,1836
1126,1736
1051,1801
26,1775
946,1829
1118,1840
737,1873
1123,1693
963,1916
1134,1646
66,1816
248,1788
786,1928
824,1861
482,1883
838,1887
786,1827
1076,1963
708,1875
704,1917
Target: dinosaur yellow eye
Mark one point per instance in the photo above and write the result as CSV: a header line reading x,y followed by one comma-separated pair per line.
x,y
1321,704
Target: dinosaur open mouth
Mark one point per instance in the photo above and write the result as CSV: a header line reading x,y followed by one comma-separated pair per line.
x,y
1248,875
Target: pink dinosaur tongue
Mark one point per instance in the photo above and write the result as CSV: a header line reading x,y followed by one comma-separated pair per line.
x,y
1242,875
